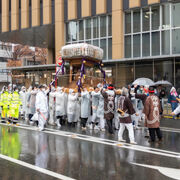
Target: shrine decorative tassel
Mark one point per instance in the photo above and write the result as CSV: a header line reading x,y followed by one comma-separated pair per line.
x,y
61,69
81,75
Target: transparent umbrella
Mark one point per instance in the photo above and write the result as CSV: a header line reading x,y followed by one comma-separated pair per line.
x,y
162,83
143,82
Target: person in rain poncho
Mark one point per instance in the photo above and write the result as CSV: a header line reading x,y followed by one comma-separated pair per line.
x,y
22,94
31,102
100,110
95,102
85,107
71,107
52,101
27,109
125,108
60,108
109,106
42,107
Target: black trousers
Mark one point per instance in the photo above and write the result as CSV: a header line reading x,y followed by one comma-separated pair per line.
x,y
30,116
83,122
61,119
110,128
153,132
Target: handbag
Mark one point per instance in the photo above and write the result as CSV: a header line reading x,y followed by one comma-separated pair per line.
x,y
35,117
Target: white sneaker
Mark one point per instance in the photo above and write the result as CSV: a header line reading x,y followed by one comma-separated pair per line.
x,y
91,126
58,124
103,129
31,123
83,128
121,140
96,128
133,142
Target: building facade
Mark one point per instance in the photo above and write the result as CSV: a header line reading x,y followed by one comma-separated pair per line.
x,y
5,54
140,38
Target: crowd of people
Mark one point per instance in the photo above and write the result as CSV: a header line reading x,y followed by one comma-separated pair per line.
x,y
99,108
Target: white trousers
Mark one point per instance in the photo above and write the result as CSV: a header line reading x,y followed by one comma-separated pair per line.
x,y
116,121
72,118
41,120
102,122
52,115
95,119
130,129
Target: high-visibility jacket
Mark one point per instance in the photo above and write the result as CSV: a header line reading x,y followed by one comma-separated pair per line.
x,y
15,101
5,99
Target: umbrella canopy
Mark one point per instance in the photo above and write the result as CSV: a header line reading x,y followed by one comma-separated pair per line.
x,y
162,83
143,82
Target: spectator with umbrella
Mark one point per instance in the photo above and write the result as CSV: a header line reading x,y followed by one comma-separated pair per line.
x,y
172,99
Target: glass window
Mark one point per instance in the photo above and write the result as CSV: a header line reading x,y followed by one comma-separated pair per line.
x,y
175,14
127,46
109,25
95,28
88,28
88,42
155,43
146,44
146,19
81,30
136,21
127,23
177,77
165,16
155,17
68,33
125,74
176,41
103,26
96,43
144,69
73,28
110,48
163,70
103,46
165,42
136,45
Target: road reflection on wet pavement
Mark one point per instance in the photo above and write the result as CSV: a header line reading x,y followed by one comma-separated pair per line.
x,y
81,159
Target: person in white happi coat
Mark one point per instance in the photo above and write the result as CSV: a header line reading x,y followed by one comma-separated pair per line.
x,y
52,95
42,107
71,107
100,110
95,102
60,106
22,95
85,107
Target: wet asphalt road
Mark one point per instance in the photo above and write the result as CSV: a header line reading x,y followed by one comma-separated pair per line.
x,y
86,160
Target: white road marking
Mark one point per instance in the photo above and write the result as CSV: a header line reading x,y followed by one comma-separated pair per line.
x,y
36,168
103,141
170,129
169,172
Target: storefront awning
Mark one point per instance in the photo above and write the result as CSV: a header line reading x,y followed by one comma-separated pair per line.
x,y
33,67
